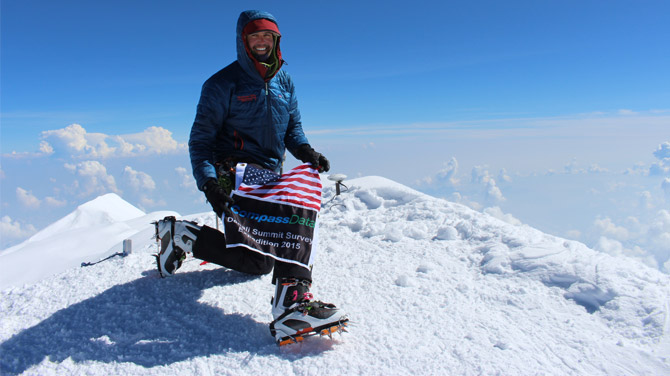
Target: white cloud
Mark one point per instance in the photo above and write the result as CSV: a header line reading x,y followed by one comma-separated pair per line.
x,y
573,168
27,198
148,202
94,178
448,173
647,240
573,234
480,174
445,177
45,148
607,228
76,142
659,168
498,213
186,179
458,198
138,180
662,167
53,202
13,230
616,248
153,140
609,246
624,111
503,176
637,169
594,168
665,186
663,151
493,193
646,200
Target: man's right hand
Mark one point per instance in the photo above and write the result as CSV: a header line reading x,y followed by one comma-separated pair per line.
x,y
219,200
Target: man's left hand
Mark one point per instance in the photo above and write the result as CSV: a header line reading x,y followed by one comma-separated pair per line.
x,y
308,155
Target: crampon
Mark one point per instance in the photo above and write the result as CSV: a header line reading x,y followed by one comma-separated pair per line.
x,y
325,330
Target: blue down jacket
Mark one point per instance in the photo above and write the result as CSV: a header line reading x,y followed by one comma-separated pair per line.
x,y
243,115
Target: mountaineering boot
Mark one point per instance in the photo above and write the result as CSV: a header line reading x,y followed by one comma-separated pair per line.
x,y
176,239
297,315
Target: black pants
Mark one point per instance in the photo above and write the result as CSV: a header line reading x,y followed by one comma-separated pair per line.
x,y
210,246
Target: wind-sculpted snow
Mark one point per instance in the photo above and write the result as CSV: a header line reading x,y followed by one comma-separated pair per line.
x,y
431,287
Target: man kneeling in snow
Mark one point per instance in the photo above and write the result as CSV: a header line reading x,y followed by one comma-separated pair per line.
x,y
248,114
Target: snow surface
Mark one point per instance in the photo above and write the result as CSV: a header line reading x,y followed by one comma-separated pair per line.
x,y
431,287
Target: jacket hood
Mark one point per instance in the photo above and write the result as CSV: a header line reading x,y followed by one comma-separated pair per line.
x,y
244,57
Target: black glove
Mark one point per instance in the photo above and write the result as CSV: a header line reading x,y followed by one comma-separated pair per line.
x,y
308,155
216,196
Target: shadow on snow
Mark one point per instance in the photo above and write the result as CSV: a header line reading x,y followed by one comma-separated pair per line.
x,y
149,322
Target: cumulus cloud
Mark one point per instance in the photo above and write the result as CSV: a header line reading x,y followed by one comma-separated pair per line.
x,y
480,174
496,212
186,179
609,246
457,197
573,168
663,151
11,230
616,248
595,169
662,167
659,168
27,198
503,176
45,148
647,239
448,173
665,186
493,193
637,169
153,140
140,181
76,142
53,202
445,177
150,202
93,176
606,227
480,191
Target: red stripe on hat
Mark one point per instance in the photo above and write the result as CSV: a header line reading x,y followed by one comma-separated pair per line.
x,y
260,24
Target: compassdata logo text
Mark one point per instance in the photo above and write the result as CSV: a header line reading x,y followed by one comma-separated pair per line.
x,y
292,220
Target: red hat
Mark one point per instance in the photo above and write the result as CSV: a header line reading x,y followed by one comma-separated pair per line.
x,y
261,24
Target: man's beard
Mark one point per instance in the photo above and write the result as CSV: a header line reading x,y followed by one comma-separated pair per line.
x,y
262,58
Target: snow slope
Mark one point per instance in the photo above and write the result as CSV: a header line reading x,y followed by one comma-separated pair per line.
x,y
86,234
431,287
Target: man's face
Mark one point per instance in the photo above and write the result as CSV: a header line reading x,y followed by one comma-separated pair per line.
x,y
261,44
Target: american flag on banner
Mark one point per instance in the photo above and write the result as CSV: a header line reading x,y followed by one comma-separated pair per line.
x,y
299,187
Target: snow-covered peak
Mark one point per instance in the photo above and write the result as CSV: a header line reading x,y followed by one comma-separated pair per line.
x,y
103,210
93,230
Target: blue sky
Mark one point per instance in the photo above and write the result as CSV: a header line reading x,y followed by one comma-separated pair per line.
x,y
551,110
